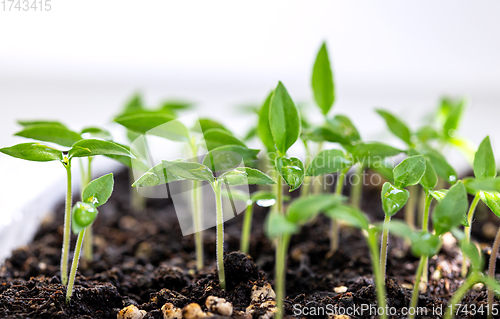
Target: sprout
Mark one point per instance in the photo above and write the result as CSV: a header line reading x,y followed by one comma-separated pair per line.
x,y
170,171
95,194
281,227
43,153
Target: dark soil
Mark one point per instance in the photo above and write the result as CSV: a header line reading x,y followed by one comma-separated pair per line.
x,y
142,259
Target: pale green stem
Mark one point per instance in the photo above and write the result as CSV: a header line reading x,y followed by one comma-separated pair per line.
x,y
279,195
383,247
220,234
74,265
421,203
379,282
197,214
459,294
87,243
334,232
357,189
318,179
247,226
491,271
425,228
137,202
280,276
304,190
416,287
67,227
410,207
470,216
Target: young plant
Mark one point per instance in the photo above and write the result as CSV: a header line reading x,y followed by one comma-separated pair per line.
x,y
407,173
358,219
42,153
183,170
448,214
94,195
260,198
281,227
215,137
57,133
474,276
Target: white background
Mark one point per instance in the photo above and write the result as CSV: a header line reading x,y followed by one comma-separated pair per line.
x,y
81,60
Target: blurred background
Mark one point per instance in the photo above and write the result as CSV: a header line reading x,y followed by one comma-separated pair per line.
x,y
81,61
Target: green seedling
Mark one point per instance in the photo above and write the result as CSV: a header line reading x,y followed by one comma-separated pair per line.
x,y
353,216
260,198
419,142
448,215
338,161
474,276
95,194
212,133
281,227
484,172
181,170
57,133
43,153
407,173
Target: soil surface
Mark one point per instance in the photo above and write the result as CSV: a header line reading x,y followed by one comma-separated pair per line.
x,y
142,259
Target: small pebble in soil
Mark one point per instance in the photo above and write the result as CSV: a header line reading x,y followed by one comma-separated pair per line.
x,y
339,317
171,312
436,274
261,294
340,290
193,311
219,305
478,287
407,286
267,309
131,312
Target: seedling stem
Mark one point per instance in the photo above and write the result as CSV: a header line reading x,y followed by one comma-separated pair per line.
x,y
67,225
357,187
247,226
383,246
410,207
220,234
416,288
74,265
425,228
491,271
470,216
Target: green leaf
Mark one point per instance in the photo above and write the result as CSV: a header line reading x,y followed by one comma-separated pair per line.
x,y
328,162
484,160
427,133
96,132
252,132
208,124
340,129
488,184
246,176
372,152
493,284
303,209
172,106
473,254
134,105
425,244
216,137
438,195
189,170
33,152
40,122
229,156
350,215
322,81
383,168
277,225
91,147
292,171
409,171
158,124
451,209
263,128
453,118
82,216
157,175
396,126
441,166
99,190
52,133
284,119
492,200
393,199
429,179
